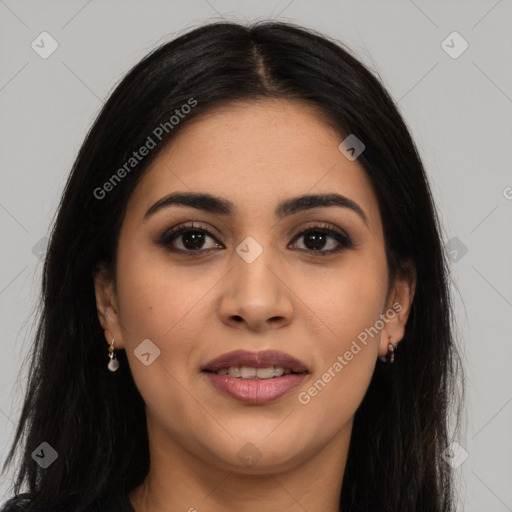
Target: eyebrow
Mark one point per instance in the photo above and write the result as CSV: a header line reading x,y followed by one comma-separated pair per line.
x,y
213,204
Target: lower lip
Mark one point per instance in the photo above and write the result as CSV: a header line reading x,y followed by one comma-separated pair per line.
x,y
254,391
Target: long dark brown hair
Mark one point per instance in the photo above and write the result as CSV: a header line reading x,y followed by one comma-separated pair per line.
x,y
94,419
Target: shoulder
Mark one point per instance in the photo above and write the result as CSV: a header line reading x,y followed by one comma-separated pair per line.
x,y
24,503
19,503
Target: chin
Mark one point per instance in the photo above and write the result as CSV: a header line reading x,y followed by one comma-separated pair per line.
x,y
253,455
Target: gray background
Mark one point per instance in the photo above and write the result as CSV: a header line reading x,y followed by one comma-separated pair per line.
x,y
459,110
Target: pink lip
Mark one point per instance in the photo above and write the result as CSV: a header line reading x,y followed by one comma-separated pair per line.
x,y
254,391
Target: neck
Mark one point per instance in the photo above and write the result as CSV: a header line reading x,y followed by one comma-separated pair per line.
x,y
180,481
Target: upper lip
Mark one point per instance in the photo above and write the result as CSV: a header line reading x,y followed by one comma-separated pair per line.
x,y
261,359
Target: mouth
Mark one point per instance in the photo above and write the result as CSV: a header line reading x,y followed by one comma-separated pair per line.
x,y
255,377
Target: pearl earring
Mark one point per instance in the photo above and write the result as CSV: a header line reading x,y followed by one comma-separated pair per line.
x,y
113,364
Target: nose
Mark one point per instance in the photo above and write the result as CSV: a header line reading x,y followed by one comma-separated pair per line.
x,y
255,295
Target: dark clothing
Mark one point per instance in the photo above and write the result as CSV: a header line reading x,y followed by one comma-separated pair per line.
x,y
23,503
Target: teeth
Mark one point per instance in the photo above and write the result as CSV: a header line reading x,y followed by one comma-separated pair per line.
x,y
278,371
234,371
246,372
265,373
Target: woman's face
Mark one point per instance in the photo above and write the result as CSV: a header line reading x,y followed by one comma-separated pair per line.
x,y
247,279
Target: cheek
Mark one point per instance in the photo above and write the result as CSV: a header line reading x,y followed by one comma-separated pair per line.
x,y
158,303
170,309
350,307
357,302
349,299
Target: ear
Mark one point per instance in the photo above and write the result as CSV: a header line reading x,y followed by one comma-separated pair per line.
x,y
398,307
106,305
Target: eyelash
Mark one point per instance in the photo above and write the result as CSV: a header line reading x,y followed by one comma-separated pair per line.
x,y
344,241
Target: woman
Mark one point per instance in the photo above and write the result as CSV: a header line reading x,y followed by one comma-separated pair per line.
x,y
246,236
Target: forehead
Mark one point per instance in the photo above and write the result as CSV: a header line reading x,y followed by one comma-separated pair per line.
x,y
256,154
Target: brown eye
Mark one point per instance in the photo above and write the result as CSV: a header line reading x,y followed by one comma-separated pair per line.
x,y
317,238
188,239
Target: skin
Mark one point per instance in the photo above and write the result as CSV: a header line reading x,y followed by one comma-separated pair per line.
x,y
195,308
